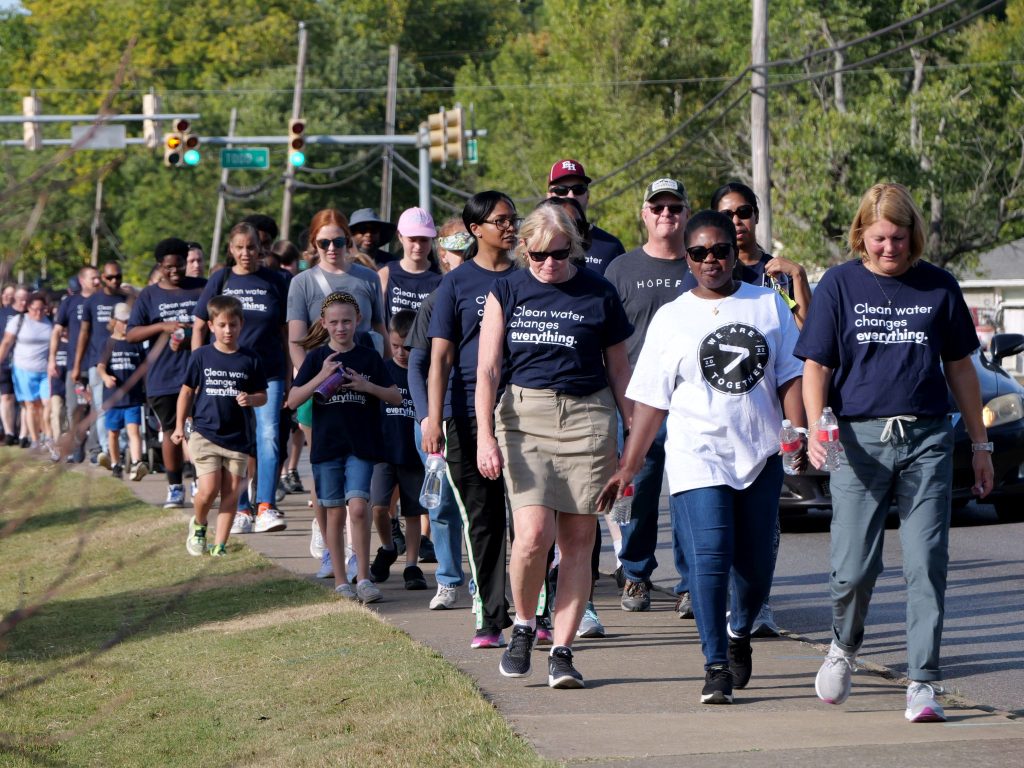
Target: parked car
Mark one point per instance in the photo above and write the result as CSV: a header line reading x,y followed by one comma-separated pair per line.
x,y
1003,400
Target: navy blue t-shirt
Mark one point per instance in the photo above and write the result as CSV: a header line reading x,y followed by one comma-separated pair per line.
x,y
350,422
264,297
399,421
58,383
886,357
407,290
556,333
217,378
457,313
98,310
166,373
69,316
604,247
122,359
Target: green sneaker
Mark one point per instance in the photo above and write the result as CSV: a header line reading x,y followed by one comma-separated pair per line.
x,y
195,544
218,550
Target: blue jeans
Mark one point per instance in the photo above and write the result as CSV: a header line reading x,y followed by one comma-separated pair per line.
x,y
727,536
445,530
268,419
640,535
96,388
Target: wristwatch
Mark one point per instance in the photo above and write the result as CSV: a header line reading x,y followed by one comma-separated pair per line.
x,y
979,447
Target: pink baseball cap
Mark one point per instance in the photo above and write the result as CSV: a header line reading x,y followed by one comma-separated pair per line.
x,y
416,222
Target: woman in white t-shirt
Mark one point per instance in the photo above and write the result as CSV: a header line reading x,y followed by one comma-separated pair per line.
x,y
29,334
718,363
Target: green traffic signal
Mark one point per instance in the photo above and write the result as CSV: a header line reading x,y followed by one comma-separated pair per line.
x,y
192,157
298,159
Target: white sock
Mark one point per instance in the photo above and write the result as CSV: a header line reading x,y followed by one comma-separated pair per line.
x,y
530,622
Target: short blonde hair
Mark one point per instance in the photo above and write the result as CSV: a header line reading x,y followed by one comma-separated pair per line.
x,y
893,203
542,226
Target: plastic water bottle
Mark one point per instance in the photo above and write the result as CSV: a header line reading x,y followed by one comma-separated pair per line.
x,y
430,495
80,394
828,435
177,338
791,443
622,509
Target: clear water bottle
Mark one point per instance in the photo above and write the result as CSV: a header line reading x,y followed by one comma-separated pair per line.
x,y
177,338
790,443
430,495
622,509
81,396
828,436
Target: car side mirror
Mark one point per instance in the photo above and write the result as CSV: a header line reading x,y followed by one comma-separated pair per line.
x,y
1006,345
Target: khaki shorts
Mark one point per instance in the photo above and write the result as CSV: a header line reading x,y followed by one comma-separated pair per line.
x,y
208,457
559,449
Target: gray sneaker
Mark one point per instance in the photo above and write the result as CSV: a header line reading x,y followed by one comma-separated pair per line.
x,y
345,591
368,592
590,625
636,596
684,606
833,681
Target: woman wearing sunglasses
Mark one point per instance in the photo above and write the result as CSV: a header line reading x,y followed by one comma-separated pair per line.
x,y
562,330
718,363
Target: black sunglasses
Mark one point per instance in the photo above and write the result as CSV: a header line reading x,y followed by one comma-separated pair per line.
x,y
743,212
675,209
560,255
337,242
563,190
118,276
719,250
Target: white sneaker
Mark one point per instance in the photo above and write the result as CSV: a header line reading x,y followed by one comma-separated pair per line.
x,y
316,541
346,591
138,471
833,681
922,706
269,520
445,598
193,490
242,522
368,592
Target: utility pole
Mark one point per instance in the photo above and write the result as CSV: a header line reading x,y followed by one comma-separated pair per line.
x,y
389,130
759,136
289,171
218,222
97,212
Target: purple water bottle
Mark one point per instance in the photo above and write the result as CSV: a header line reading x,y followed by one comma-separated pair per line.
x,y
329,387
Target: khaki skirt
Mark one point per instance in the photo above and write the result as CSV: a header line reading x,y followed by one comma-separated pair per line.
x,y
559,449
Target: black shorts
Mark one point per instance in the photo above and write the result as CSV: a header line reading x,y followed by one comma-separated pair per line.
x,y
6,380
166,409
408,478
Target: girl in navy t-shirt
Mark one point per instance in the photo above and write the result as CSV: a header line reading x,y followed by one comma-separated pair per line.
x,y
346,430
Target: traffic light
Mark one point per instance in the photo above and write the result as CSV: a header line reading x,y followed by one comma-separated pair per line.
x,y
190,142
172,149
297,142
181,147
446,136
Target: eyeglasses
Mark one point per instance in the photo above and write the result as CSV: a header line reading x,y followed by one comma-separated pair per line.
x,y
503,222
337,242
743,212
560,255
118,276
674,209
563,190
720,251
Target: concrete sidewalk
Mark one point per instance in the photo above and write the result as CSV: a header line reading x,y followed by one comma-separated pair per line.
x,y
641,705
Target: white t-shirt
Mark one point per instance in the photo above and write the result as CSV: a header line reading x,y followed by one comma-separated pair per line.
x,y
718,375
32,350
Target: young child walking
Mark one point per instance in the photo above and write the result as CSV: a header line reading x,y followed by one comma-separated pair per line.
x,y
346,381
223,383
402,466
123,395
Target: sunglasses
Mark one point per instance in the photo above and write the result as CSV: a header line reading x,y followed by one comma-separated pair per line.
x,y
337,242
743,212
560,255
503,223
675,209
720,251
118,276
563,190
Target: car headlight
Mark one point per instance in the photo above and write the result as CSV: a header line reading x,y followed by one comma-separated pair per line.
x,y
1002,410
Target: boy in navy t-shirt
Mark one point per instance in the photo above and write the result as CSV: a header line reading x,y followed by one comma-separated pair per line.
x,y
223,382
123,395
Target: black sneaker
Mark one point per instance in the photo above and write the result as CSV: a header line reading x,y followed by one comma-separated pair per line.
x,y
620,578
380,568
740,663
414,578
717,685
636,596
427,553
117,471
561,672
397,537
292,482
515,661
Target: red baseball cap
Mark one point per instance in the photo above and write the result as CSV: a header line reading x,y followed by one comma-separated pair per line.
x,y
564,168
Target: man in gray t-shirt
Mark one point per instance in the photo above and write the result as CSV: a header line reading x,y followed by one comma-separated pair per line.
x,y
647,278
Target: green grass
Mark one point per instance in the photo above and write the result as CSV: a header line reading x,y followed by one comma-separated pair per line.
x,y
142,655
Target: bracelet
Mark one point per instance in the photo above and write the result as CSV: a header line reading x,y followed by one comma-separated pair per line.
x,y
981,447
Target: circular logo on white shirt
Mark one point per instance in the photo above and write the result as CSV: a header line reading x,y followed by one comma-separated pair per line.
x,y
733,358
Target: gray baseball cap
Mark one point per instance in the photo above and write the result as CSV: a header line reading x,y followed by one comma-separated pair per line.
x,y
667,187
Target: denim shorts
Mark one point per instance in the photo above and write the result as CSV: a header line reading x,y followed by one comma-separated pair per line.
x,y
340,480
125,414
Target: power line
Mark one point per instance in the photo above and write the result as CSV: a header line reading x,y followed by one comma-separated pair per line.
x,y
340,182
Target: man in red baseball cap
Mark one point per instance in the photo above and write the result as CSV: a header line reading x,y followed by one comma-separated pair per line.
x,y
567,178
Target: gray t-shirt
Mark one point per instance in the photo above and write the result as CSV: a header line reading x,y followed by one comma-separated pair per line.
x,y
306,297
32,350
645,284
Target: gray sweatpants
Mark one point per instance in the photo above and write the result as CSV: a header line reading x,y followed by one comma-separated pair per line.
x,y
915,472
